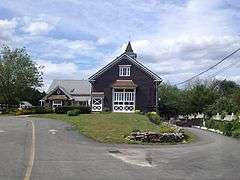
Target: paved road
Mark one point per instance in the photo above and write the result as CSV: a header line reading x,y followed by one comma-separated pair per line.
x,y
68,155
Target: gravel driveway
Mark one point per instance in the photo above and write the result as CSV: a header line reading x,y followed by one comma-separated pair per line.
x,y
61,153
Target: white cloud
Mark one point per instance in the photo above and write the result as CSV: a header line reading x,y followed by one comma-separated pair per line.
x,y
184,56
36,28
62,70
7,29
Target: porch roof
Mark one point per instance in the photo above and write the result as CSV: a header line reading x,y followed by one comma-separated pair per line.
x,y
57,97
124,84
97,94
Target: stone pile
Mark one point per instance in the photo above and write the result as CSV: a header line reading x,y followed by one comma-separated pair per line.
x,y
153,137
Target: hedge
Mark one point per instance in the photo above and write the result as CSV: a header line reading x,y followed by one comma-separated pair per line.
x,y
65,109
34,110
228,128
41,110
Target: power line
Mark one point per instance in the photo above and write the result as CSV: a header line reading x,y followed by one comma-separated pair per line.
x,y
226,57
223,69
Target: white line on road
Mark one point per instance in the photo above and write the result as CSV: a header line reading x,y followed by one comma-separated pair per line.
x,y
134,157
31,155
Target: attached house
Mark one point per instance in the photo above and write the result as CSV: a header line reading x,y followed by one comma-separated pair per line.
x,y
124,85
68,93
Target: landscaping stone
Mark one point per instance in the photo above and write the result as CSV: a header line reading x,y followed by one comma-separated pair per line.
x,y
154,137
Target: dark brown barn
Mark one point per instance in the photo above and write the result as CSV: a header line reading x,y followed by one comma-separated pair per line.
x,y
124,85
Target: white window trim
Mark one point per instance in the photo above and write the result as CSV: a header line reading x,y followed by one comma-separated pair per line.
x,y
127,70
56,104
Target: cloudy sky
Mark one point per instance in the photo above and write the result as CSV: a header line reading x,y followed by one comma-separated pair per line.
x,y
74,38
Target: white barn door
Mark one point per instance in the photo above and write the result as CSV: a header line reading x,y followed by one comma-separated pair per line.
x,y
123,100
97,104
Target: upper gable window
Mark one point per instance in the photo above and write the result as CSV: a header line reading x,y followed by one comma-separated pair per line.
x,y
124,70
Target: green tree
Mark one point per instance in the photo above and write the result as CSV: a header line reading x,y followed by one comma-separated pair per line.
x,y
225,87
235,98
17,73
222,105
199,97
33,96
170,100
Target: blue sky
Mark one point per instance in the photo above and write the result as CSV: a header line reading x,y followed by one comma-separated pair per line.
x,y
75,38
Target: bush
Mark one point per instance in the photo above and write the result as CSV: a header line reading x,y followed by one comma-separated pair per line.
x,y
214,124
137,111
236,133
23,111
65,109
228,129
74,112
85,110
41,110
154,117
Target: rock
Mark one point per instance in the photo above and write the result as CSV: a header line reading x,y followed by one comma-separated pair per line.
x,y
154,137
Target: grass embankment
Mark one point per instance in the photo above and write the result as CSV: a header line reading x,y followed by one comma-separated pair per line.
x,y
109,127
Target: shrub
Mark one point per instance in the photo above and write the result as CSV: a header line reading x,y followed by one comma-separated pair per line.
x,y
65,109
154,117
165,128
236,133
23,111
74,112
228,129
215,124
236,125
41,110
85,110
137,111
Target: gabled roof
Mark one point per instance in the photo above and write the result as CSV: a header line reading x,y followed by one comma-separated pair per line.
x,y
72,87
53,90
118,59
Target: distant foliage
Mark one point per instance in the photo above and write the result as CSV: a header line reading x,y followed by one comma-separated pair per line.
x,y
208,97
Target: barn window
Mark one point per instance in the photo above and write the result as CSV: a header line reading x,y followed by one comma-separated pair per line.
x,y
124,70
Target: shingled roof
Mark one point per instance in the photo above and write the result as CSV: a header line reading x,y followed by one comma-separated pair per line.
x,y
73,87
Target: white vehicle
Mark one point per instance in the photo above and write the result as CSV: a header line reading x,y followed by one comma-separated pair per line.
x,y
25,105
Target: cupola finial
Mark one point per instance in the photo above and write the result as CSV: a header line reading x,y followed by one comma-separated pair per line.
x,y
129,47
129,51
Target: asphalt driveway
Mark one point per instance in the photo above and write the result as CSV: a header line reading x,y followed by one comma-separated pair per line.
x,y
61,153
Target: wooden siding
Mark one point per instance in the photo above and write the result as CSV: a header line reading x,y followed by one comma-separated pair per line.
x,y
145,91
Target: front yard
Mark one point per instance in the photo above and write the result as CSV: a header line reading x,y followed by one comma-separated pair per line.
x,y
110,127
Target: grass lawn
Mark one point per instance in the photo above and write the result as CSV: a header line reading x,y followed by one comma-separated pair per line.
x,y
109,127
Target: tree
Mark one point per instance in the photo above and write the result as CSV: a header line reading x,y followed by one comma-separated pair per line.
x,y
235,98
170,100
225,87
17,74
222,105
199,97
33,96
